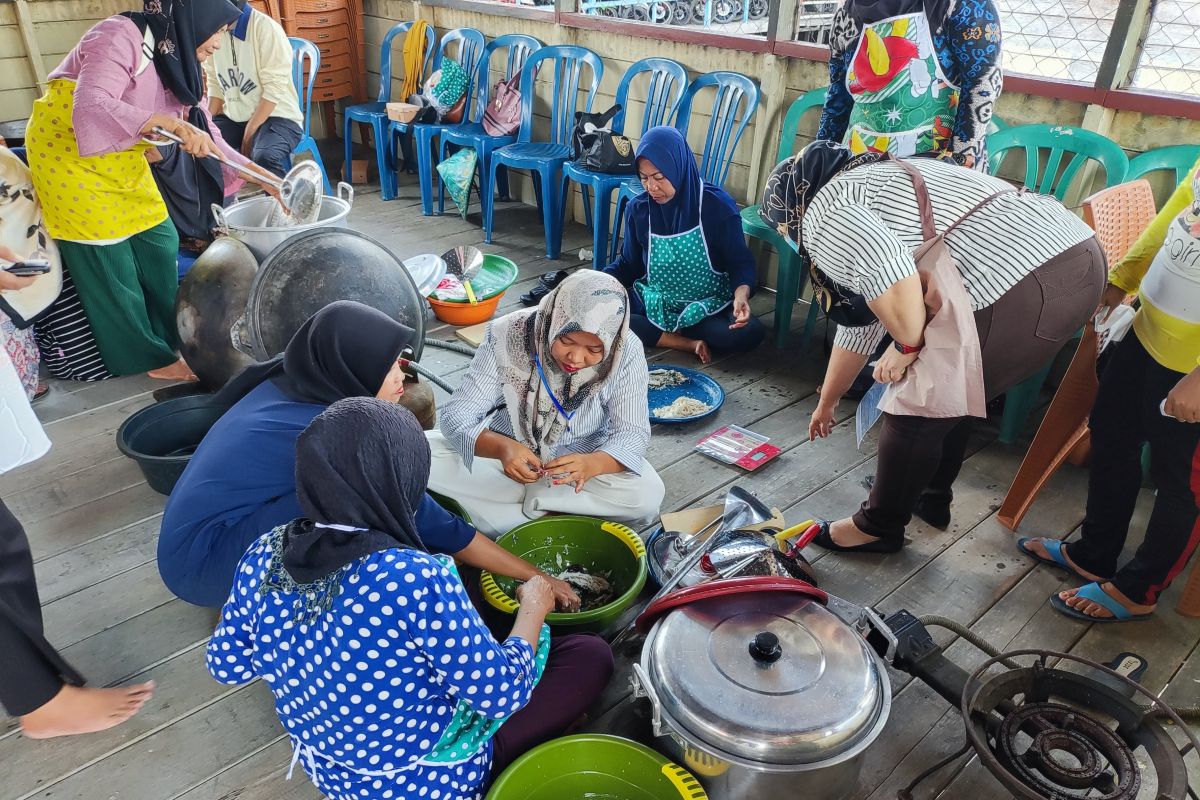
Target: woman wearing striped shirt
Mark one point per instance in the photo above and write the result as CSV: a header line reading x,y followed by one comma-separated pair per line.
x,y
552,416
1033,273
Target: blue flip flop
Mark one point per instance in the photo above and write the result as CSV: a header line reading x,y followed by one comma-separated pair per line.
x,y
1093,592
1057,559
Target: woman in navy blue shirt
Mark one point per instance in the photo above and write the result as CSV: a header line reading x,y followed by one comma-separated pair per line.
x,y
241,482
684,259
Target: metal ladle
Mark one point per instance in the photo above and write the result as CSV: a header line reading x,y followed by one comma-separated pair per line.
x,y
464,262
298,190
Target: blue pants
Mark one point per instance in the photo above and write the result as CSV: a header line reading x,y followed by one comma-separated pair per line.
x,y
714,330
273,144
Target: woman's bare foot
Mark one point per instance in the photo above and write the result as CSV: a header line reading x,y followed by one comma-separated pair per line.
x,y
75,710
1038,547
1092,609
179,371
845,533
674,341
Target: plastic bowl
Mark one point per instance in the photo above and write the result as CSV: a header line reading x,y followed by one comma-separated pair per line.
x,y
162,437
594,766
464,313
554,543
495,276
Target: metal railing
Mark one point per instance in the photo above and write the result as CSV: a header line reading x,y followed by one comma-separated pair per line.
x,y
1170,57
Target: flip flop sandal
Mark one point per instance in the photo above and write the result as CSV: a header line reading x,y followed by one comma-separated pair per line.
x,y
1057,559
42,390
1093,592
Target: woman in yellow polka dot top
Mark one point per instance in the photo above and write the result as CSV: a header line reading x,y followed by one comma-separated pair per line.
x,y
128,75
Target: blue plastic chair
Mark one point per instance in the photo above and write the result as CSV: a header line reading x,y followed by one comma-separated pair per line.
x,y
375,114
470,50
518,48
735,100
667,80
304,50
546,159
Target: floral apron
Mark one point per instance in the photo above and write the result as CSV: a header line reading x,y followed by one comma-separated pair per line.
x,y
903,102
681,288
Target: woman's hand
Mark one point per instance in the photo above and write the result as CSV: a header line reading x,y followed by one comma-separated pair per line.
x,y
194,141
821,424
8,281
536,596
269,183
520,463
580,468
892,365
565,598
741,307
1113,296
1183,402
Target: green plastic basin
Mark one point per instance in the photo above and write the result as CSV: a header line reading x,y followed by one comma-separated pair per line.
x,y
595,767
555,543
497,274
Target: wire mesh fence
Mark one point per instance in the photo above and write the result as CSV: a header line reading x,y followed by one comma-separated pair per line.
x,y
717,16
1170,58
1056,38
813,18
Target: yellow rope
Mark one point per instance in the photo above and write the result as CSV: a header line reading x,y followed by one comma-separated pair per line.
x,y
414,58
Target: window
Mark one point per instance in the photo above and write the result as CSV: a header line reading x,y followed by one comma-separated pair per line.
x,y
1062,39
813,20
1170,57
744,17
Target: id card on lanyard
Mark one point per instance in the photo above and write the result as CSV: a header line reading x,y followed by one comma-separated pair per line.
x,y
537,359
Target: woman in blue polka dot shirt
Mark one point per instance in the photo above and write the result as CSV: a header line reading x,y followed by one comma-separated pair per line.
x,y
384,675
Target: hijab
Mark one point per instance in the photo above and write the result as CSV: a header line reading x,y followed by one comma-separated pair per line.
x,y
789,192
344,350
178,28
362,466
587,301
867,12
667,149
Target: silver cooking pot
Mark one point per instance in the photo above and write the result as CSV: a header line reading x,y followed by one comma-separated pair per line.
x,y
760,691
246,220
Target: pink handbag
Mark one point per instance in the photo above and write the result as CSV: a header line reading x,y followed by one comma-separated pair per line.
x,y
502,117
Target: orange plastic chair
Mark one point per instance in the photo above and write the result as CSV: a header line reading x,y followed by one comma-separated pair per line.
x,y
1119,214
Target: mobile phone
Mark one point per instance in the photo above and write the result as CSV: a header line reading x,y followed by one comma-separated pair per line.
x,y
25,269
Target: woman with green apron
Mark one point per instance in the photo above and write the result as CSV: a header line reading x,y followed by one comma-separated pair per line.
x,y
909,77
684,259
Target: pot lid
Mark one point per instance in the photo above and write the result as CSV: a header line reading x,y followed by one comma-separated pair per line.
x,y
309,271
771,677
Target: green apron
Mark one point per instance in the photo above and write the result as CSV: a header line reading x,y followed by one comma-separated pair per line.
x,y
903,102
681,288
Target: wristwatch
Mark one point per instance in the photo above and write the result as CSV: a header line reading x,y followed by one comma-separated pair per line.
x,y
906,350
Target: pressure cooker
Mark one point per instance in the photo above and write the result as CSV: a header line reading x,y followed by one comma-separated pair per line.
x,y
760,690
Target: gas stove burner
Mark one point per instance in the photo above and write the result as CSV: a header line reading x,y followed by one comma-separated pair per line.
x,y
1052,748
1048,733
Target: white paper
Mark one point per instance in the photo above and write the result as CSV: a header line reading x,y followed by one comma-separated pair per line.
x,y
1112,327
868,411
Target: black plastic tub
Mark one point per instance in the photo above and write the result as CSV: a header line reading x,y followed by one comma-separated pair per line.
x,y
162,438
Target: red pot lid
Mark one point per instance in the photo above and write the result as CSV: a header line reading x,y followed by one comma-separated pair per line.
x,y
724,588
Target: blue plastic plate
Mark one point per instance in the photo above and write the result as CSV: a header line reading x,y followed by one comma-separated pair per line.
x,y
698,386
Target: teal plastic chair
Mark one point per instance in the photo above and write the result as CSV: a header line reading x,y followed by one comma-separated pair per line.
x,y
1066,150
1179,158
304,50
375,114
790,279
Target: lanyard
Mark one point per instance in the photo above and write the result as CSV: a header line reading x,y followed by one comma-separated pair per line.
x,y
541,374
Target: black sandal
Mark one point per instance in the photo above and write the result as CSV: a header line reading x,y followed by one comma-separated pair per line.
x,y
545,285
879,546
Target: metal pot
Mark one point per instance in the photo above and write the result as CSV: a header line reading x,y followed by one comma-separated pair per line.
x,y
211,298
763,693
246,220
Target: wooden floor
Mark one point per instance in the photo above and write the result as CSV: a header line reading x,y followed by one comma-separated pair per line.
x,y
93,524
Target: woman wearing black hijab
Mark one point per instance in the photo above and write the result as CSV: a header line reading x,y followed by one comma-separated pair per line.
x,y
129,75
429,703
913,77
241,482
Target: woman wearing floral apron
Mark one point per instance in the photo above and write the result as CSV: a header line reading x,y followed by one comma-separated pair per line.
x,y
910,77
684,259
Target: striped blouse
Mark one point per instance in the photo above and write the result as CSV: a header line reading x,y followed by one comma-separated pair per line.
x,y
615,420
861,230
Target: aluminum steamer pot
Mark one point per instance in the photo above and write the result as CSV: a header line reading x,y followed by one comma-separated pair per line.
x,y
763,694
246,220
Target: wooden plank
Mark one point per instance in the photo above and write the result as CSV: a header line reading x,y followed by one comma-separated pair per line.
x,y
261,776
33,51
181,685
15,73
68,398
95,561
73,491
108,603
239,722
59,532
